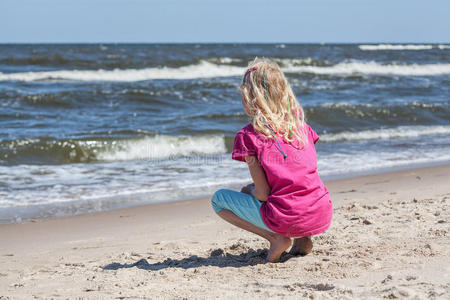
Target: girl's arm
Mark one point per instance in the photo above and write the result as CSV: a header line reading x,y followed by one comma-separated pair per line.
x,y
259,178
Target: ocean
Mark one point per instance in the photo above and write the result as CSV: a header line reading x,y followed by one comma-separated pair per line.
x,y
93,127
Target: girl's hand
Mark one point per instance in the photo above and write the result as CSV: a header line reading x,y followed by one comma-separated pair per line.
x,y
248,189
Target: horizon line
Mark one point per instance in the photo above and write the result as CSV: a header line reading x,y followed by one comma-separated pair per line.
x,y
228,43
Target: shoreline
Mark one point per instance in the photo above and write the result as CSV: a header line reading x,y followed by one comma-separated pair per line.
x,y
69,209
388,238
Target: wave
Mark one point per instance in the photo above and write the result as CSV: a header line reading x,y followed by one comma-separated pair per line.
x,y
164,147
387,133
210,70
46,150
373,68
401,47
341,116
225,60
308,61
202,70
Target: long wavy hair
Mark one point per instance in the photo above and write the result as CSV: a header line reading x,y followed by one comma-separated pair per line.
x,y
270,102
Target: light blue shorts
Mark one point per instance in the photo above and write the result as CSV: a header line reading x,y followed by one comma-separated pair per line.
x,y
243,205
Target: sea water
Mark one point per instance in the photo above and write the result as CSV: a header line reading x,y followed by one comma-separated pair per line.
x,y
94,127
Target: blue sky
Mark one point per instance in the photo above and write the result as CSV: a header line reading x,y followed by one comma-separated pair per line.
x,y
197,21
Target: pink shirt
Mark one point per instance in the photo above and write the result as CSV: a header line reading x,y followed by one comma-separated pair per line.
x,y
299,203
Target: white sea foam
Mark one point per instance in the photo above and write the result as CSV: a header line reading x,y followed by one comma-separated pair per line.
x,y
163,147
210,70
373,68
387,133
202,70
369,161
396,47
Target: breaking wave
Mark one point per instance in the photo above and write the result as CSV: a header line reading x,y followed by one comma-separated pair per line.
x,y
210,70
373,68
202,70
50,151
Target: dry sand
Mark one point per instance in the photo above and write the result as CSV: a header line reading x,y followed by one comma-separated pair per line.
x,y
389,239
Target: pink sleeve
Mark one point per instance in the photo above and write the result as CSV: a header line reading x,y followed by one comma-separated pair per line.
x,y
313,134
243,146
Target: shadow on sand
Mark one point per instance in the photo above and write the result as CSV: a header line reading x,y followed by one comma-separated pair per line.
x,y
217,258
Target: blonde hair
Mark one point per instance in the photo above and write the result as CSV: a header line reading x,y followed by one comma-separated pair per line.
x,y
270,102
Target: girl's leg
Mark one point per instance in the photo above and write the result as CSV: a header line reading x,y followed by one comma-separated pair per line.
x,y
278,243
242,210
301,246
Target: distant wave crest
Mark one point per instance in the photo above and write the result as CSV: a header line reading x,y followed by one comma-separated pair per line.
x,y
202,70
373,68
210,70
401,47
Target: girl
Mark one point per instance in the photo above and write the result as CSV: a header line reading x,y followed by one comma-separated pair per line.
x,y
287,198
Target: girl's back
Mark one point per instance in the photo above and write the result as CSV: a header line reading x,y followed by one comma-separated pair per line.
x,y
298,204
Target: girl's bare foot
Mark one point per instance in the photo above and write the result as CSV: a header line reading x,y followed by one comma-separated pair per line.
x,y
277,246
302,246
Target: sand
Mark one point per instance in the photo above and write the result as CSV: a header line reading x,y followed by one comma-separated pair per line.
x,y
389,239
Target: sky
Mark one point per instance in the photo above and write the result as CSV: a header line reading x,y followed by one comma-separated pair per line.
x,y
224,21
